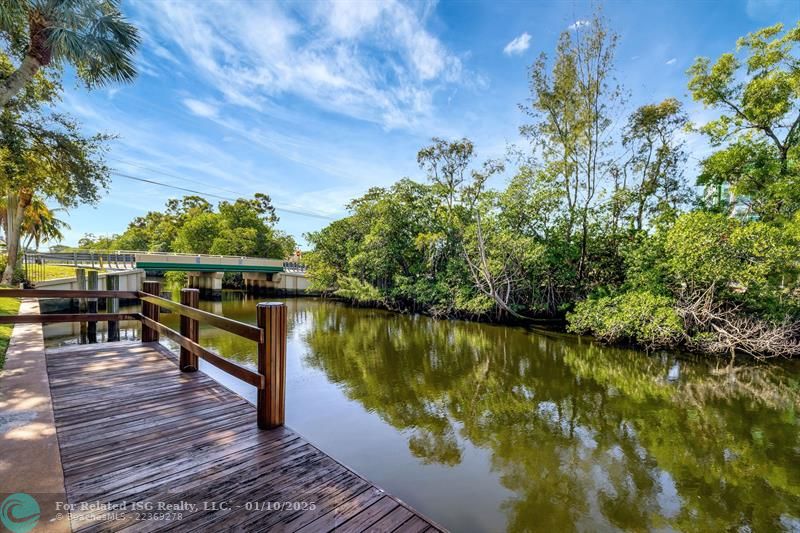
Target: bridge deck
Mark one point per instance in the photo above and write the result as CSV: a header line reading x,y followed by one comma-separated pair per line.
x,y
132,428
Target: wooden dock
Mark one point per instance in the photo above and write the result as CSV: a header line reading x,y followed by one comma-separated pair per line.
x,y
132,428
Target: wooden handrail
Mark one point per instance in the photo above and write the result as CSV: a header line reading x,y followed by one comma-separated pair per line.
x,y
245,374
67,317
233,326
270,334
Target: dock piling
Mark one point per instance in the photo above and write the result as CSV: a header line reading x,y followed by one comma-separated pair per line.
x,y
271,400
190,328
151,311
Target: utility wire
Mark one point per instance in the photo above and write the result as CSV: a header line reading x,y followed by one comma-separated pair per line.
x,y
170,175
202,193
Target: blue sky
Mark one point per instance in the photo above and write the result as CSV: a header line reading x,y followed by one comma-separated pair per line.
x,y
315,102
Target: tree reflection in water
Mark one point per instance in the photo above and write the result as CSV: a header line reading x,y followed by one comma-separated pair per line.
x,y
585,436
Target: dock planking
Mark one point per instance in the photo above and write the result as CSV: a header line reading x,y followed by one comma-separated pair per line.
x,y
133,428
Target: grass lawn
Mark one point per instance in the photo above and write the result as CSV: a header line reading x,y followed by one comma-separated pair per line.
x,y
53,272
8,306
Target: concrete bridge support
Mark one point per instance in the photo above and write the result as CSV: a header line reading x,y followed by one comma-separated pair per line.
x,y
259,283
209,284
275,284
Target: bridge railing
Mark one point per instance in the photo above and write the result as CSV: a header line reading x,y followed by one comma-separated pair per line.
x,y
292,266
161,253
269,335
35,263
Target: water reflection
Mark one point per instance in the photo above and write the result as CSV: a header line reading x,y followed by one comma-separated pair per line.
x,y
585,436
557,433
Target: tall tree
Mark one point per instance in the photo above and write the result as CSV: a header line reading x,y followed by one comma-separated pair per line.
x,y
91,35
655,167
758,131
43,155
572,104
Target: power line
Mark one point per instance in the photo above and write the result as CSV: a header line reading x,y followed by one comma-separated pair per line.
x,y
164,173
202,193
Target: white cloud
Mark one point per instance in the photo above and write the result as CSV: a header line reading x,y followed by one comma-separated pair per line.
x,y
373,61
518,45
201,109
578,24
671,61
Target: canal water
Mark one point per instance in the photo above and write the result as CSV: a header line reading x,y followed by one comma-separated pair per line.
x,y
496,428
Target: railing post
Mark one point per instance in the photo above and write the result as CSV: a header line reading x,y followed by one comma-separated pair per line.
x,y
112,306
91,304
190,328
271,400
80,277
151,311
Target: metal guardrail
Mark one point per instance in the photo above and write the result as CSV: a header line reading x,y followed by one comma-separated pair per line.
x,y
291,266
35,263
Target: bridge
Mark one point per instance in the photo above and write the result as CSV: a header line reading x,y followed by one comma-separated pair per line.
x,y
204,271
163,261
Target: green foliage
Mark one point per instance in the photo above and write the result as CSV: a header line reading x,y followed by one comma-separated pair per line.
x,y
577,229
752,263
758,130
642,317
197,234
357,290
91,35
175,279
698,251
44,156
655,166
244,227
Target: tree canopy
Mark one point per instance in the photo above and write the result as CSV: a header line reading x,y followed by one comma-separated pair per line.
x,y
45,156
244,227
599,224
91,35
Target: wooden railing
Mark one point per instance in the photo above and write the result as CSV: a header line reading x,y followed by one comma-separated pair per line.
x,y
269,334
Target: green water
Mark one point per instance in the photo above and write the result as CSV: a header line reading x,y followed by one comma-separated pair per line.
x,y
493,428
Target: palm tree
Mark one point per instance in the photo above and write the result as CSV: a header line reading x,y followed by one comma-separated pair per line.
x,y
39,224
92,35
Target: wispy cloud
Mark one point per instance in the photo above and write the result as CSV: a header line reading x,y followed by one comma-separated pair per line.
x,y
578,24
671,61
518,45
372,61
155,145
201,109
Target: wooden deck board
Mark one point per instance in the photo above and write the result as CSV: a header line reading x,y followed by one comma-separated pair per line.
x,y
132,428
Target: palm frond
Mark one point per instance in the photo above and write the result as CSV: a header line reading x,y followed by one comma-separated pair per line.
x,y
94,36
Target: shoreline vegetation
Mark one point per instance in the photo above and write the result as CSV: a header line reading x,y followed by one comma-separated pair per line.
x,y
603,222
600,225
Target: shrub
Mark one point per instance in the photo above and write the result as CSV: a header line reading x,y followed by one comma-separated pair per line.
x,y
641,317
175,279
358,291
